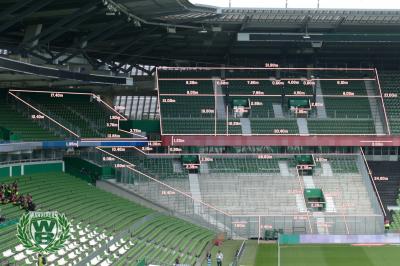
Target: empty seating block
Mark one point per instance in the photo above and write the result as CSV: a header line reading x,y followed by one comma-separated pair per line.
x,y
274,126
390,88
184,86
347,107
331,87
343,126
187,106
83,114
24,127
243,165
200,126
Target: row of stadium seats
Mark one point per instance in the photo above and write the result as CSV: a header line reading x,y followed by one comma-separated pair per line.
x,y
347,107
266,87
82,112
336,126
161,168
96,218
243,165
390,87
343,165
199,126
25,128
274,126
183,86
269,126
188,106
330,87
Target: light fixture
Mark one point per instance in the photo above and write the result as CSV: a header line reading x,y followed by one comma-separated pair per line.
x,y
306,35
216,28
203,30
171,29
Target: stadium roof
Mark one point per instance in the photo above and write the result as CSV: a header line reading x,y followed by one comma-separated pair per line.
x,y
169,32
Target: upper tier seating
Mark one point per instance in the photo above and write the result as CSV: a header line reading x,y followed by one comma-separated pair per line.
x,y
25,128
347,107
390,82
199,126
345,104
330,87
340,126
85,115
192,106
185,86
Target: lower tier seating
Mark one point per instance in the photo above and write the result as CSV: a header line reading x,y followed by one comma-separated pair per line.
x,y
97,217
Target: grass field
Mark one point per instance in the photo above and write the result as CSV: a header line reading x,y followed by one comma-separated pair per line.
x,y
326,255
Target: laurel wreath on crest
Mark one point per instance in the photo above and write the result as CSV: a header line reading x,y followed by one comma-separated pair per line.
x,y
23,235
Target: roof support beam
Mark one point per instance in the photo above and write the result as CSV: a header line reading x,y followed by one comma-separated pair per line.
x,y
108,30
20,16
142,51
129,44
141,68
8,12
58,25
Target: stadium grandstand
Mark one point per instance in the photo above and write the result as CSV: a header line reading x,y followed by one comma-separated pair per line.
x,y
196,132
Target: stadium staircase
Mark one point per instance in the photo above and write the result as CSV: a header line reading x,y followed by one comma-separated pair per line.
x,y
219,101
375,110
321,111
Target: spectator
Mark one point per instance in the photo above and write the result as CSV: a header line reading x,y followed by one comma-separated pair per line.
x,y
41,260
220,258
387,224
208,259
10,194
177,261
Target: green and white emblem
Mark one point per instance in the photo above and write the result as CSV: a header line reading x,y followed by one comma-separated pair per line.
x,y
44,232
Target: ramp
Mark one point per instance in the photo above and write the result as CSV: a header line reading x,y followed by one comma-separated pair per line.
x,y
284,168
374,105
177,166
220,107
204,169
308,181
278,111
320,223
330,204
303,126
195,191
321,111
301,205
326,169
246,126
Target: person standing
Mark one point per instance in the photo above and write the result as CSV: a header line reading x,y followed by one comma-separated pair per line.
x,y
41,260
208,259
220,258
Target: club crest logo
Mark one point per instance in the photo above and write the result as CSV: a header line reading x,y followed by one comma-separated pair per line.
x,y
43,232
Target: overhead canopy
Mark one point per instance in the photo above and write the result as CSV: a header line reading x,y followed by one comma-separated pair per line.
x,y
125,33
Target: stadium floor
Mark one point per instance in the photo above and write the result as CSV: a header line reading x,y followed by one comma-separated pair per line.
x,y
328,255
